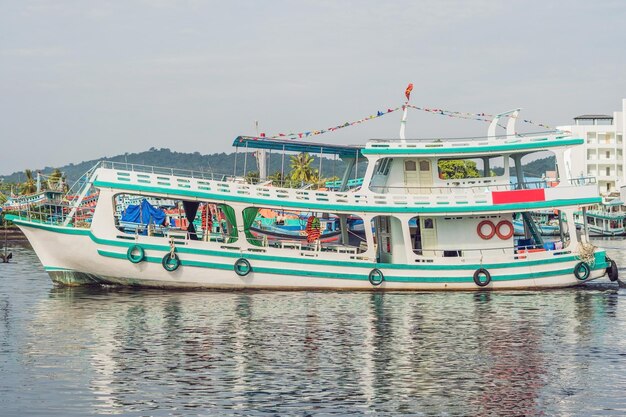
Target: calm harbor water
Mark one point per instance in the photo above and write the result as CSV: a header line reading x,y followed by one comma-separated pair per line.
x,y
71,352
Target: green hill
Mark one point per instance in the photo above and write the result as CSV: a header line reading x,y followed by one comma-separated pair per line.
x,y
224,164
536,168
218,163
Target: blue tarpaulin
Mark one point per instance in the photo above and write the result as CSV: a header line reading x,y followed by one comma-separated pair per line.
x,y
144,213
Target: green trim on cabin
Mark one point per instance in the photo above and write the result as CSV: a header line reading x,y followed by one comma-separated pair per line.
x,y
355,209
359,277
435,149
605,217
256,256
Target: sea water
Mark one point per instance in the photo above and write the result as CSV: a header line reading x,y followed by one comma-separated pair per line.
x,y
103,351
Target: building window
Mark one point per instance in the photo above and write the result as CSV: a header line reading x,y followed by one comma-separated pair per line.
x,y
608,154
608,171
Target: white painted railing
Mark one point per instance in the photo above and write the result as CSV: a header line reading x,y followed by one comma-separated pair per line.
x,y
463,142
274,196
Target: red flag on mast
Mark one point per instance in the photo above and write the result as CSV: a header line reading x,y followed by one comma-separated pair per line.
x,y
407,93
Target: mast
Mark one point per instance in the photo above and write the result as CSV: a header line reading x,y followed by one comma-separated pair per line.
x,y
405,111
261,159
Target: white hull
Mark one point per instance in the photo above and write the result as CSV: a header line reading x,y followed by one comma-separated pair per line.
x,y
76,259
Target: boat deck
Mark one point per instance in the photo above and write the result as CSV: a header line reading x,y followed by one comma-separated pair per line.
x,y
436,200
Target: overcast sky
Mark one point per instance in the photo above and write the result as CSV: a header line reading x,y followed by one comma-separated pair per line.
x,y
85,79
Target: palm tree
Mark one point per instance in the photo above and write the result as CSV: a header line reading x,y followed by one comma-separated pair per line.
x,y
277,179
64,186
29,186
252,177
301,170
54,179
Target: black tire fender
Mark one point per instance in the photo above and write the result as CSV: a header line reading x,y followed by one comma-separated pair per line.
x,y
372,277
477,277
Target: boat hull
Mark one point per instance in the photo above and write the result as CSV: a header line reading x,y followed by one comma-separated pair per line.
x,y
77,257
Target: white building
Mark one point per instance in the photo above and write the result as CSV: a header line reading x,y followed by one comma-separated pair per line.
x,y
603,155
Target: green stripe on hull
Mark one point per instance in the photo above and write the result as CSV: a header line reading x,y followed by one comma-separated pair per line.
x,y
359,277
600,261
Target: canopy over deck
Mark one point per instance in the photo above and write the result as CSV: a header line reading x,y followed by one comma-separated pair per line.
x,y
344,151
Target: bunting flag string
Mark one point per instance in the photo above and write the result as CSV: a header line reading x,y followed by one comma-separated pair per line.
x,y
301,135
483,117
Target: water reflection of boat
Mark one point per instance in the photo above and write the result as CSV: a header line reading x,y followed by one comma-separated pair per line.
x,y
226,344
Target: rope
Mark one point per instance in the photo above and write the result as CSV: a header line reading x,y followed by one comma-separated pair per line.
x,y
357,236
172,248
586,253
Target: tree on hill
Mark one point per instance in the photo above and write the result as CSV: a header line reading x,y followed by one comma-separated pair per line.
x,y
458,169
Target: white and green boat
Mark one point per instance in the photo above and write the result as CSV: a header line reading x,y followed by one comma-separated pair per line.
x,y
605,219
428,232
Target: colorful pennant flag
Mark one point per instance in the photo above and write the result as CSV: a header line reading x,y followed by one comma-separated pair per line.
x,y
407,93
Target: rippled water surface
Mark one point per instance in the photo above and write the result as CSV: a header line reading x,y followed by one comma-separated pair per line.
x,y
70,352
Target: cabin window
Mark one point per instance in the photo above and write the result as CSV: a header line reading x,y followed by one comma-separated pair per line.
x,y
424,166
428,223
305,231
174,219
470,168
410,166
591,220
382,166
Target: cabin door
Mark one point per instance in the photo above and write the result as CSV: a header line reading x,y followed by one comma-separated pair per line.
x,y
428,231
425,175
411,178
383,237
418,176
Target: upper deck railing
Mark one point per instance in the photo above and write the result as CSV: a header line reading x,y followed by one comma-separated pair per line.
x,y
155,181
184,173
480,188
521,140
544,134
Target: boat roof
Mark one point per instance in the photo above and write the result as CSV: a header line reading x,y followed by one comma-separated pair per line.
x,y
593,116
518,143
291,145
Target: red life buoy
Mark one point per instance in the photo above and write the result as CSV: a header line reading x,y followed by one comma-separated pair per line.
x,y
499,229
489,235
